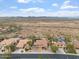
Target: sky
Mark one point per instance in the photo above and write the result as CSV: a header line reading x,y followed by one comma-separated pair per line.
x,y
55,8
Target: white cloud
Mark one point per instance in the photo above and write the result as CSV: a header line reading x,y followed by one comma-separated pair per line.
x,y
23,1
66,5
30,10
54,14
55,4
35,11
41,1
13,7
40,12
27,1
67,14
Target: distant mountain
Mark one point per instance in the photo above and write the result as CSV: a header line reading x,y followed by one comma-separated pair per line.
x,y
38,18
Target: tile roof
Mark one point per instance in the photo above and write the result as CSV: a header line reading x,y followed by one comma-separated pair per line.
x,y
42,43
7,42
22,43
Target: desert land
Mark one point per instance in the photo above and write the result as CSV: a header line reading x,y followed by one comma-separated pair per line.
x,y
24,35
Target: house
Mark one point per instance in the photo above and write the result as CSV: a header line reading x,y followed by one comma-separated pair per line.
x,y
42,43
54,43
59,44
76,44
22,43
7,42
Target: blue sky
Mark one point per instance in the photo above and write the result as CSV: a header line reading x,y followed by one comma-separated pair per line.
x,y
60,8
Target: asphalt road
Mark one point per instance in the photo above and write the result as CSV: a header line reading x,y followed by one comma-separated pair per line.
x,y
40,56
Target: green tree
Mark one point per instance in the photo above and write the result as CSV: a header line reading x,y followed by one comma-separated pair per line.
x,y
54,48
28,46
29,42
13,48
77,37
70,48
7,55
52,39
33,38
68,38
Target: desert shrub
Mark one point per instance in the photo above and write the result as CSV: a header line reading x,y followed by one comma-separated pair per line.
x,y
13,28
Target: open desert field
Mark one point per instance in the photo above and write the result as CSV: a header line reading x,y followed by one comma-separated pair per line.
x,y
44,25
